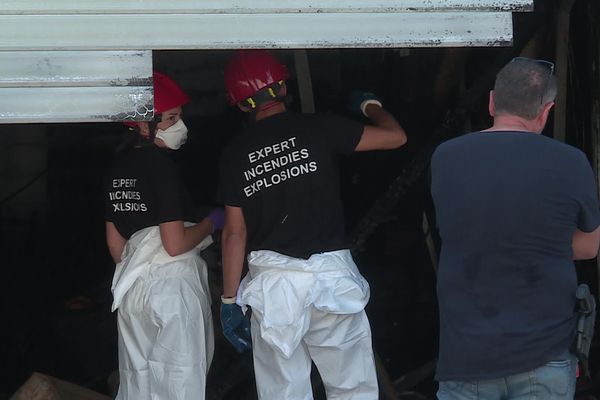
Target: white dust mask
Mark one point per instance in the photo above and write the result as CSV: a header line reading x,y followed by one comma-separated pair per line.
x,y
174,136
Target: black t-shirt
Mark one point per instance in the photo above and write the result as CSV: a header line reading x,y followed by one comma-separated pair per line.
x,y
507,205
143,189
283,172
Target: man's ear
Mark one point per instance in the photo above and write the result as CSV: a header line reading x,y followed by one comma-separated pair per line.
x,y
548,107
543,115
492,105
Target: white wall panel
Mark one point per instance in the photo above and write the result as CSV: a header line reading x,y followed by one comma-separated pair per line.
x,y
71,86
232,31
90,60
75,68
95,104
254,6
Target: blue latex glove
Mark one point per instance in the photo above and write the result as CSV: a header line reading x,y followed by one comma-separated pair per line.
x,y
236,327
217,217
359,100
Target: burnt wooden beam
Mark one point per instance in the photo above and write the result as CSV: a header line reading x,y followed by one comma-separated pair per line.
x,y
453,125
303,75
594,33
562,66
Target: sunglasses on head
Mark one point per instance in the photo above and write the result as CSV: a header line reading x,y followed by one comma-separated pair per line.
x,y
548,64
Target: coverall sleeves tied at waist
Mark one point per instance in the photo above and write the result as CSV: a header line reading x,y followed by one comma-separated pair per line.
x,y
283,290
143,250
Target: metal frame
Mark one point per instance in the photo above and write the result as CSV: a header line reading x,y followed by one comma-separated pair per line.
x,y
79,60
75,86
22,7
228,31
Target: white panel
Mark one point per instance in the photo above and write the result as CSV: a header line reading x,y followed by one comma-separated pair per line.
x,y
253,6
79,104
228,31
75,68
72,86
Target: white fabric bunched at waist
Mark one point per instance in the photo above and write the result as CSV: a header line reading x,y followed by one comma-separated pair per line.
x,y
143,250
283,289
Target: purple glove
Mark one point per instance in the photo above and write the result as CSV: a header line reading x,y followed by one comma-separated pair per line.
x,y
217,217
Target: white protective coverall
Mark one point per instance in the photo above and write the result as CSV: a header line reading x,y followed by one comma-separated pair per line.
x,y
166,337
309,309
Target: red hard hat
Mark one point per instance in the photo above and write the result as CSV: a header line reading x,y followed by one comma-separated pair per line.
x,y
250,71
167,93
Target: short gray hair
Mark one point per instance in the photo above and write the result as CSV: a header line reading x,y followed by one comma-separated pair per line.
x,y
523,87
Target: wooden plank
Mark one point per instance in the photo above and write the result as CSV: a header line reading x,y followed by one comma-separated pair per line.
x,y
44,387
227,31
303,76
21,7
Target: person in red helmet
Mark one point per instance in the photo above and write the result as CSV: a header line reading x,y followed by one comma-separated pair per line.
x,y
279,183
160,286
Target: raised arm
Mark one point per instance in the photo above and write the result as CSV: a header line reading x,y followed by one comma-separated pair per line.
x,y
385,133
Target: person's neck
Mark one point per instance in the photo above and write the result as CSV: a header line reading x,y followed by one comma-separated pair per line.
x,y
513,123
270,109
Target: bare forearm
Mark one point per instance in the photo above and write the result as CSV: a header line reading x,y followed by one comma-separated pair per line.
x,y
385,133
585,245
178,239
381,118
116,254
196,234
115,242
234,249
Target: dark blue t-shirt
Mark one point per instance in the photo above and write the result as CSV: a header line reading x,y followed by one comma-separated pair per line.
x,y
507,205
